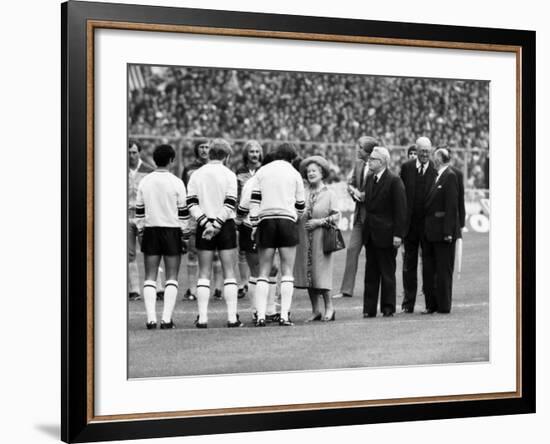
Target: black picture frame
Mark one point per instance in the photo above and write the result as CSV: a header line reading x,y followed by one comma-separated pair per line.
x,y
77,422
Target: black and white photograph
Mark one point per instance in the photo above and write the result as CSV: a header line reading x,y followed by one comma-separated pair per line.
x,y
284,221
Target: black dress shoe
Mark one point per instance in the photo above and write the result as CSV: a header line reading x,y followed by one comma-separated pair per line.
x,y
167,325
151,325
260,323
134,296
428,312
387,314
369,315
408,310
160,295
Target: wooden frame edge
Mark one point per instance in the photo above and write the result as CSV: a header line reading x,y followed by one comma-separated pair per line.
x,y
91,25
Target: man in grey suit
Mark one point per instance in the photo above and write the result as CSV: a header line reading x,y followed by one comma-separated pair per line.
x,y
356,189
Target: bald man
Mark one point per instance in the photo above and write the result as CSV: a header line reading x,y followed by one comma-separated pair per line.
x,y
417,176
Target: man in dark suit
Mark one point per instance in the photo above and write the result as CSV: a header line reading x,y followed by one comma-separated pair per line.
x,y
356,189
417,176
442,229
383,231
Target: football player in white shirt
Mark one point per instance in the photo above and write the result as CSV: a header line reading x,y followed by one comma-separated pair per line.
x,y
161,217
212,198
276,203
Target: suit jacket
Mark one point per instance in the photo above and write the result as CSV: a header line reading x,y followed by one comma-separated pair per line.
x,y
461,205
408,176
386,209
355,181
442,217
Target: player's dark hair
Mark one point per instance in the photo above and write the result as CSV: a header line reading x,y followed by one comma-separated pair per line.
x,y
286,151
219,149
269,157
163,155
132,142
296,163
249,144
411,149
196,145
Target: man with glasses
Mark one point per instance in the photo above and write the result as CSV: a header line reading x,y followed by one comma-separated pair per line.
x,y
383,231
417,176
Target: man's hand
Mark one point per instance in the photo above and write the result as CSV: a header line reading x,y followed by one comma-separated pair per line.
x,y
396,242
210,231
448,239
355,194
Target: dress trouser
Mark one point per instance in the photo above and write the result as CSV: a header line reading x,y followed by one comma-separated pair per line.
x,y
352,258
379,275
412,242
437,274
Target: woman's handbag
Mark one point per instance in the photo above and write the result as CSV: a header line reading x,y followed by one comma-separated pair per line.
x,y
332,239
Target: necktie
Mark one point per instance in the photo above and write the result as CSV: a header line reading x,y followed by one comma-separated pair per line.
x,y
375,180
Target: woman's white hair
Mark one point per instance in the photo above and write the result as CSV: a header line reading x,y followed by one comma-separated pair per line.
x,y
383,152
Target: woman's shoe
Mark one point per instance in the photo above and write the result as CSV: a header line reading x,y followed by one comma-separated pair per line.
x,y
315,317
332,317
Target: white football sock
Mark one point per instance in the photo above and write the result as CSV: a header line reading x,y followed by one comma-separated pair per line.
x,y
150,298
230,294
170,295
252,293
203,294
287,289
262,288
271,296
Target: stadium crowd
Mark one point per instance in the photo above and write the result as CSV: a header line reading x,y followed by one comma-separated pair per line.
x,y
327,112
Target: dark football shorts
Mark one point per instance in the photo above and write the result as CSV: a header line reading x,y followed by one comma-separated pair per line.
x,y
245,240
226,239
161,241
275,233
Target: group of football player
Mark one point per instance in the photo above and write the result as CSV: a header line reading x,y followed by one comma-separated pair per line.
x,y
213,214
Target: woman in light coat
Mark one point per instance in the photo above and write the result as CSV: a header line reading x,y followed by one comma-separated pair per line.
x,y
313,268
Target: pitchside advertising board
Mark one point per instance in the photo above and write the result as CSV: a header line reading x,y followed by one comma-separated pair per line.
x,y
476,202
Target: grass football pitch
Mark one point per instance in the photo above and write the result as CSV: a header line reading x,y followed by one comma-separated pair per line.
x,y
349,342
